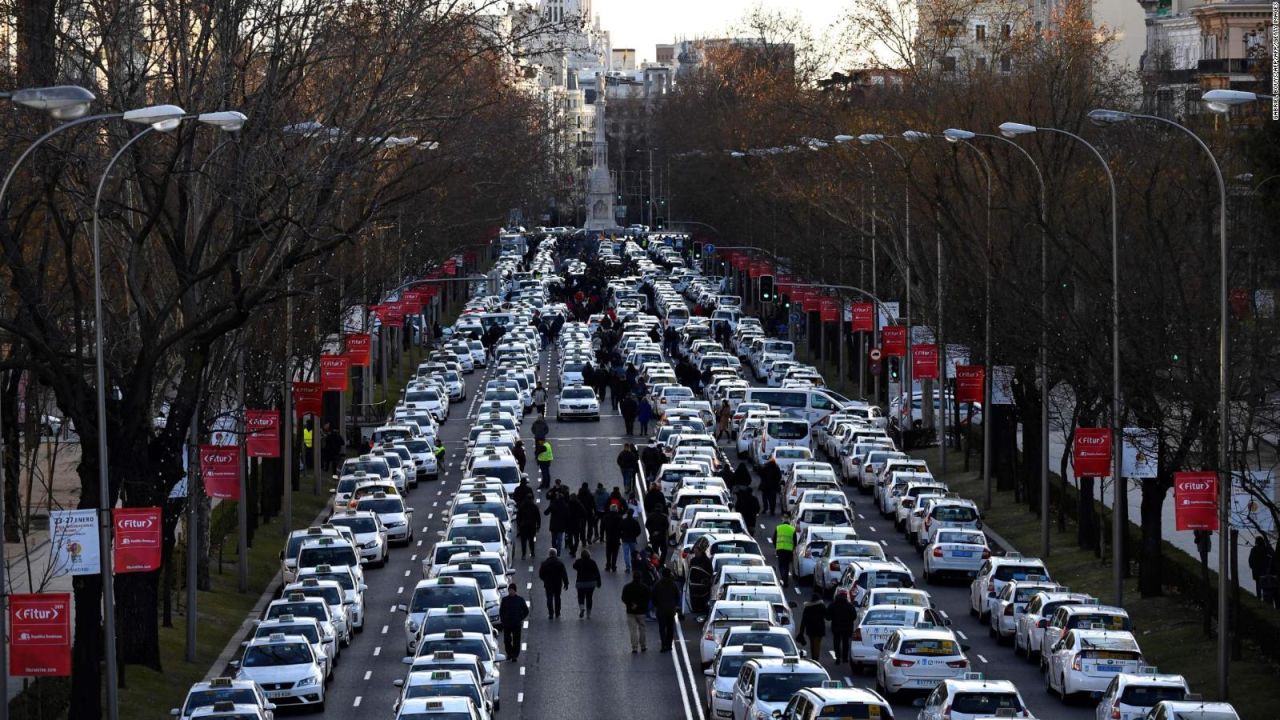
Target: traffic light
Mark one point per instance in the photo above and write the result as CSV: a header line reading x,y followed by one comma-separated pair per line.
x,y
893,368
766,289
786,301
697,249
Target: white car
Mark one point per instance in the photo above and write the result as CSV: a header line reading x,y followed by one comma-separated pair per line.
x,y
994,573
332,594
723,673
1011,603
810,546
288,662
765,685
918,659
490,593
838,555
391,511
308,628
973,697
370,534
955,552
352,589
726,614
223,689
1130,696
435,684
436,593
875,626
1086,660
1029,636
577,401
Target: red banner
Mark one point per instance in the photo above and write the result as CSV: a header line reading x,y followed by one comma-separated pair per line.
x,y
830,309
335,370
40,635
893,340
137,546
359,349
1091,452
411,301
220,469
262,433
306,398
450,267
755,269
1240,303
970,382
864,317
924,362
1195,500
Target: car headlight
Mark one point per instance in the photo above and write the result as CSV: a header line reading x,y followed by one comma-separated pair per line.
x,y
722,695
413,626
309,681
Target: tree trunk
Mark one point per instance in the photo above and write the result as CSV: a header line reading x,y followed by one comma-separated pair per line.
x,y
136,599
1086,532
203,511
11,458
1151,567
87,651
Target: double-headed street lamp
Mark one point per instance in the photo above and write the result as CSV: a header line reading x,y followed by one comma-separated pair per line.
x,y
1012,129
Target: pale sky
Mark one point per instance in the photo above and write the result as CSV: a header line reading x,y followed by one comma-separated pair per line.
x,y
641,24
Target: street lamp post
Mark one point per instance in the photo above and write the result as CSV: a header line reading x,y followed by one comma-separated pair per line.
x,y
1044,332
875,320
64,102
1012,129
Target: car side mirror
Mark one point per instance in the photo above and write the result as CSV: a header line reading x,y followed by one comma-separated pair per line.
x,y
175,712
401,608
777,714
398,682
500,657
363,587
234,664
407,660
268,706
409,511
488,681
709,672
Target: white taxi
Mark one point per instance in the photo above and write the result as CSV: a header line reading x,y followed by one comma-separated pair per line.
x,y
838,555
223,689
972,697
1085,660
730,613
1011,602
765,685
877,623
994,573
1130,696
723,673
1029,635
955,552
287,669
833,700
918,659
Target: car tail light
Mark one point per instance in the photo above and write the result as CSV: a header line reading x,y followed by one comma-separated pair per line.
x,y
710,636
1008,609
937,551
684,553
991,586
958,663
986,554
1075,664
897,662
1115,710
857,634
835,566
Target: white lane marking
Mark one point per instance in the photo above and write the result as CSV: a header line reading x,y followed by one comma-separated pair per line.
x,y
961,635
377,651
419,543
683,650
357,701
439,492
406,573
528,586
524,646
680,680
435,504
530,568
525,626
385,628
861,516
400,590
984,660
872,528
519,697
884,543
413,558
522,670
394,608
368,674
762,527
832,653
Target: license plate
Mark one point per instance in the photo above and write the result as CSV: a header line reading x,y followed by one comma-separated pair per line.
x,y
1108,668
278,693
962,553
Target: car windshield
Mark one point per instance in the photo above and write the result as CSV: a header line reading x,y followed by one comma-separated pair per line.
x,y
299,609
467,646
824,517
382,506
891,617
500,395
929,647
479,533
358,525
327,555
346,485
579,394
370,467
984,703
484,579
737,614
1019,572
884,578
330,595
506,474
955,513
787,429
1149,695
294,653
439,596
742,547
466,622
307,631
729,666
962,538
416,447
464,715
779,687
446,690
206,698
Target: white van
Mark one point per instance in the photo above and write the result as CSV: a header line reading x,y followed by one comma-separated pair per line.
x,y
676,316
782,432
808,404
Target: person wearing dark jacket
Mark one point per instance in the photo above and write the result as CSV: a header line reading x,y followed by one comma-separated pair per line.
x,y
522,492
577,523
629,531
610,528
619,389
644,410
522,458
741,476
512,613
666,605
528,522
628,407
842,616
588,503
749,507
699,579
1260,561
658,527
635,596
655,501
770,486
629,464
555,579
558,511
587,581
813,625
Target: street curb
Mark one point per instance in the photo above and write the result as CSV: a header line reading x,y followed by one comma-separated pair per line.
x,y
220,664
1005,545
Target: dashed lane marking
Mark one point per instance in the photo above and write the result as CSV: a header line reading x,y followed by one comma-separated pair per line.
x,y
519,697
406,573
872,528
368,674
522,670
377,651
357,701
385,628
884,543
961,635
400,590
984,660
525,626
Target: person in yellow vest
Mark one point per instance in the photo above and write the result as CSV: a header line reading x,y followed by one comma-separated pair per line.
x,y
308,455
784,541
544,458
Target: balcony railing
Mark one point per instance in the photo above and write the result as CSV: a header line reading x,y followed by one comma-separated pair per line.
x,y
1229,66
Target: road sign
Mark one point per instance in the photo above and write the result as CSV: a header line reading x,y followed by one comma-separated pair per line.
x,y
874,368
708,249
874,354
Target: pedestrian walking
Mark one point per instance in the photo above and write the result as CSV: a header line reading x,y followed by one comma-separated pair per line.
x,y
813,626
629,464
555,580
635,597
629,409
842,616
784,542
618,391
528,523
512,612
601,497
644,414
1260,558
665,598
540,429
588,579
655,501
588,503
770,486
522,458
540,399
611,529
659,528
577,519
749,507
544,457
629,531
558,513
723,415
652,458
741,476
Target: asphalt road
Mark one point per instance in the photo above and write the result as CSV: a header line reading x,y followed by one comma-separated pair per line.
x,y
582,668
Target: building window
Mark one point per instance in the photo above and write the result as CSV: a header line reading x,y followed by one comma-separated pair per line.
x,y
1006,31
980,64
980,32
1039,27
948,63
1006,65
